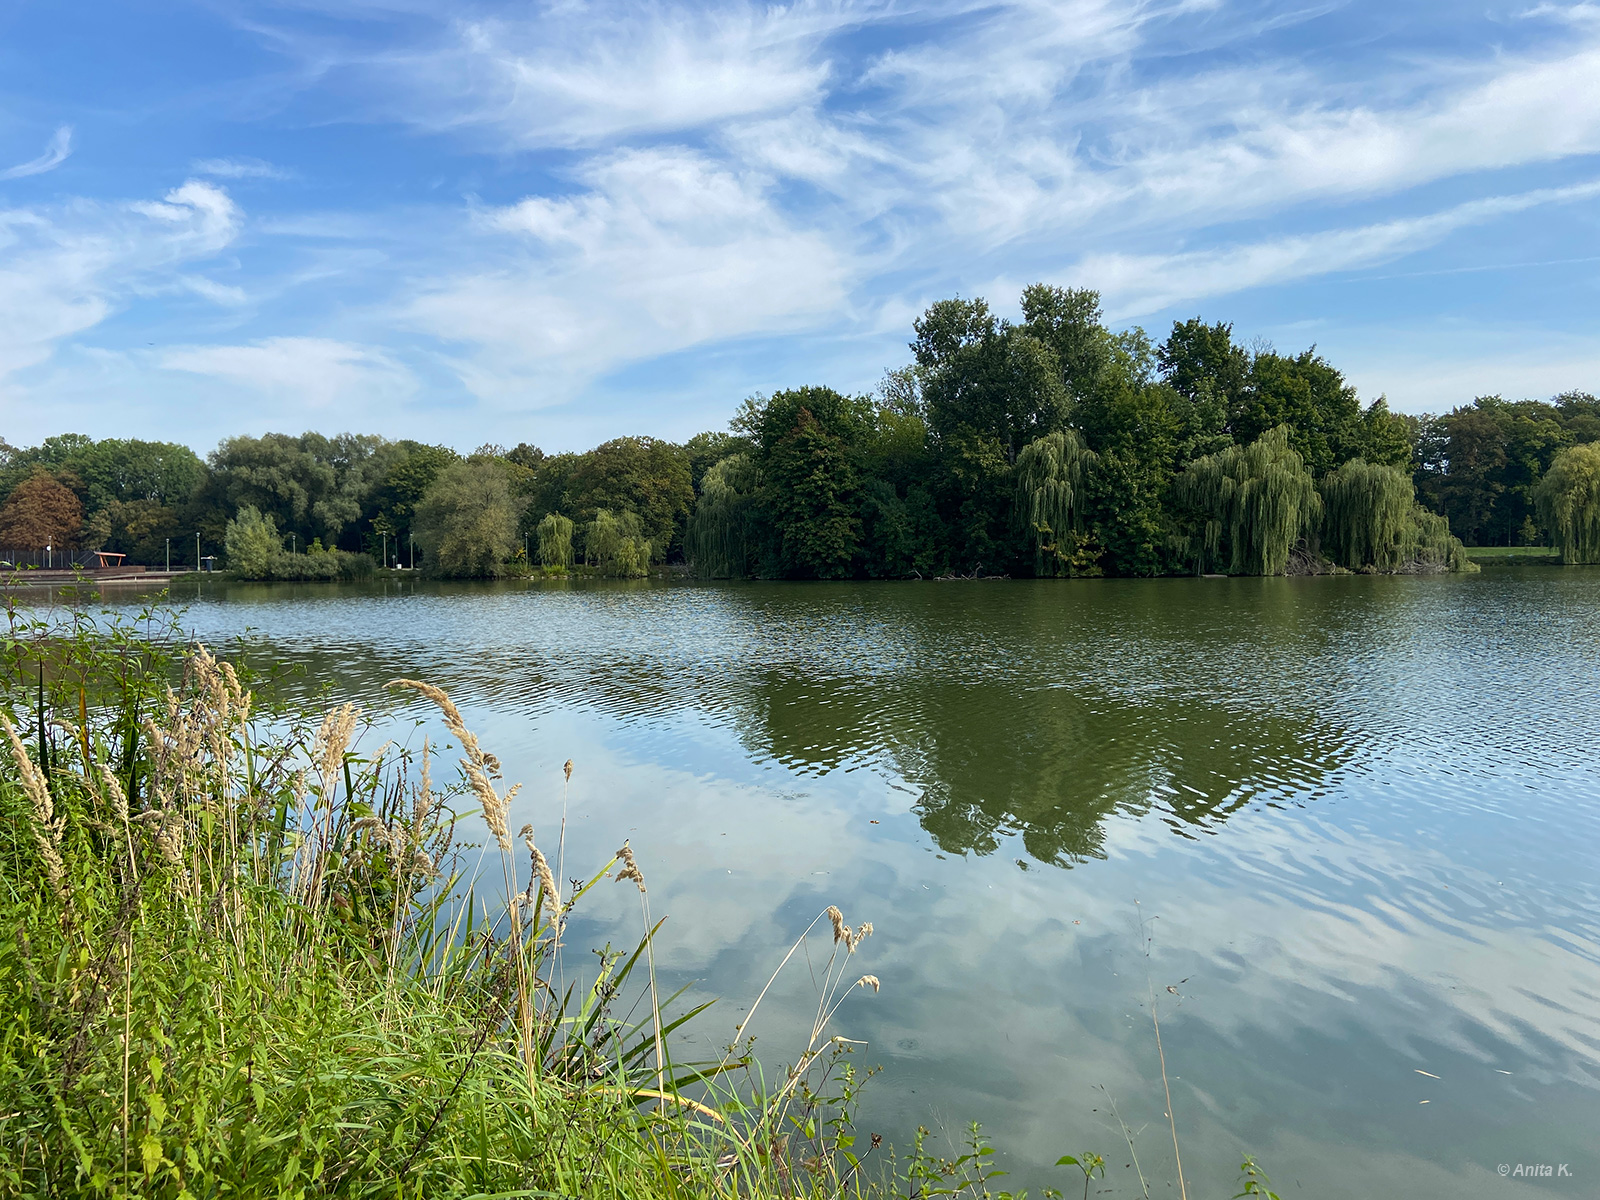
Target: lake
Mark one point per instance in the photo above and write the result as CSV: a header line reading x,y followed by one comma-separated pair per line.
x,y
1343,830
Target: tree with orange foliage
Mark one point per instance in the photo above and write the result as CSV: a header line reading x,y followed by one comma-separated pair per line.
x,y
41,511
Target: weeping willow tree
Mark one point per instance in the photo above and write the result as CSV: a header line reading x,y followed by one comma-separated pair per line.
x,y
1430,543
1256,502
1568,498
555,541
615,544
1371,521
1367,515
721,536
1051,474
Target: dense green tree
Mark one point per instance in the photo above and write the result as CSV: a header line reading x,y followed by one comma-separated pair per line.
x,y
812,496
975,495
645,476
252,542
311,485
1068,321
1569,502
1579,413
467,521
1203,365
1479,465
412,468
1308,398
1006,387
1386,438
1132,427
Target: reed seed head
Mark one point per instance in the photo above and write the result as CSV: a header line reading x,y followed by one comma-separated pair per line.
x,y
332,740
474,762
46,829
567,770
841,931
870,981
630,866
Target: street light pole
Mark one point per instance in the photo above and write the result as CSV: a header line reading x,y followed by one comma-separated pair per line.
x,y
196,549
169,556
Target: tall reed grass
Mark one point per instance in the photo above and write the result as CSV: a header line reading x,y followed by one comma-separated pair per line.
x,y
241,954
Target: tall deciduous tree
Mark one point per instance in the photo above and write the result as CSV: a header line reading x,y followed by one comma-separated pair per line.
x,y
645,476
1308,398
812,496
467,521
41,511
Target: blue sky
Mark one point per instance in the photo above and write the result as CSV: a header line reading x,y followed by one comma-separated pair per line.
x,y
563,222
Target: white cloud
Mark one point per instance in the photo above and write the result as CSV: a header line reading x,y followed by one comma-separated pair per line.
x,y
64,270
581,74
664,250
1137,284
239,168
54,155
299,373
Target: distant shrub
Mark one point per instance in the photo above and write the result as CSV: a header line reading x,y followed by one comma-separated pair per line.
x,y
320,565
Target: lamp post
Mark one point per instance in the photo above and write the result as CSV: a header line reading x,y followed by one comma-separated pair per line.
x,y
196,549
294,543
169,556
411,538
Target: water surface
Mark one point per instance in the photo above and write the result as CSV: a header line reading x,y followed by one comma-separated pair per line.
x,y
1344,830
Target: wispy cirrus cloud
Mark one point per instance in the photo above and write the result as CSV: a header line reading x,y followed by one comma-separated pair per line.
x,y
1138,284
65,269
239,168
662,250
55,153
303,374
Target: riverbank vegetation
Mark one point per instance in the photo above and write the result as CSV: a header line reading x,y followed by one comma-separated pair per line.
x,y
1050,445
241,953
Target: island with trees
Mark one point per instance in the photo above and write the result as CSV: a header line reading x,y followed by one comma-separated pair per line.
x,y
1049,446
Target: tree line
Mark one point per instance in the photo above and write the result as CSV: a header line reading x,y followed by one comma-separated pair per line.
x,y
1048,446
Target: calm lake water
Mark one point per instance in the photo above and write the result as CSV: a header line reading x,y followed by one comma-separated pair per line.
x,y
1345,830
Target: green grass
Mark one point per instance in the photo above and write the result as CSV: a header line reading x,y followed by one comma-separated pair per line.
x,y
1513,555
